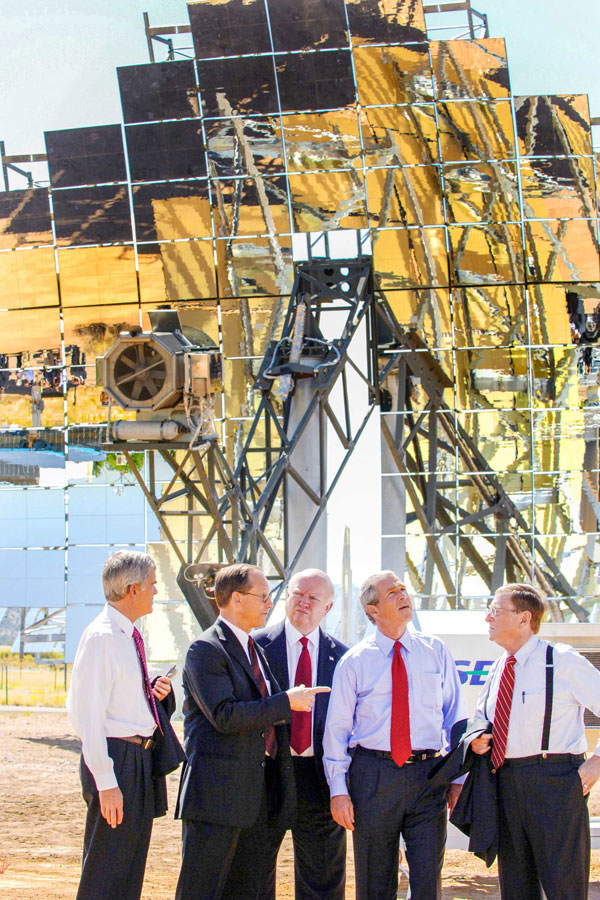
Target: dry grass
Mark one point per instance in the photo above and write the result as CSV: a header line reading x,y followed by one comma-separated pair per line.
x,y
28,684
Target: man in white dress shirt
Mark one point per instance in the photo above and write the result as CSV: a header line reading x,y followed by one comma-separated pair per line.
x,y
299,651
113,710
535,695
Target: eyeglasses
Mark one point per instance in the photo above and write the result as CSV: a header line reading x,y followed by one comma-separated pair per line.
x,y
264,597
493,611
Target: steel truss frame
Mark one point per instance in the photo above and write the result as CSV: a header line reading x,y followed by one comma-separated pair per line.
x,y
239,502
511,537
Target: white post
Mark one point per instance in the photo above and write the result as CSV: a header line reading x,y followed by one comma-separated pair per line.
x,y
305,458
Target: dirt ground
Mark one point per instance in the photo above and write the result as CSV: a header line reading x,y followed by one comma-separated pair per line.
x,y
42,815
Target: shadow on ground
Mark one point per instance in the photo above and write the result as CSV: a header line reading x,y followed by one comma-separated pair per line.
x,y
71,744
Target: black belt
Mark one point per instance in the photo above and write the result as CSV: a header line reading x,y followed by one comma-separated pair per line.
x,y
146,743
417,756
541,758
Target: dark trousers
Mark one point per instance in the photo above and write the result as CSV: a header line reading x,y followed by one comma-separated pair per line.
x,y
544,831
114,859
319,843
225,861
390,801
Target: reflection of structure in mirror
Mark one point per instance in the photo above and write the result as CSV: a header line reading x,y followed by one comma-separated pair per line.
x,y
292,125
163,374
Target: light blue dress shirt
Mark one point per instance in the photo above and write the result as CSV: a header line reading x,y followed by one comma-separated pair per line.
x,y
360,704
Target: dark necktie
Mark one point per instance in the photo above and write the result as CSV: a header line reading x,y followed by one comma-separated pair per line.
x,y
502,712
139,646
400,725
302,721
270,738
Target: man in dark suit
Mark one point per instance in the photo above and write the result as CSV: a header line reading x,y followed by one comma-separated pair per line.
x,y
238,780
300,652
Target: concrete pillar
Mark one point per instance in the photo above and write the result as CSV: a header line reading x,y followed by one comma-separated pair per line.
x,y
306,459
393,498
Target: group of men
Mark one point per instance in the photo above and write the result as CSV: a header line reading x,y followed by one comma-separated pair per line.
x,y
285,727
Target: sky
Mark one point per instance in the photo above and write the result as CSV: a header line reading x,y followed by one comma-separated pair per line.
x,y
58,60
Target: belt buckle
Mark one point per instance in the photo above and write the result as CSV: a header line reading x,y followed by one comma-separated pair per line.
x,y
147,743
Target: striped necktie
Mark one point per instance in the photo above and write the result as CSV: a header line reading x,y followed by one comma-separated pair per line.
x,y
270,736
502,712
139,646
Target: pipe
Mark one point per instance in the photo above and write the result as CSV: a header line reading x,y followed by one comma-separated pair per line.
x,y
167,430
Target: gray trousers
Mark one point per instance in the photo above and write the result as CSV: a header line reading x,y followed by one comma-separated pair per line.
x,y
544,832
390,801
114,859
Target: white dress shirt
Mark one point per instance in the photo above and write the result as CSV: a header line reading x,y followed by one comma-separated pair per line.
x,y
576,687
360,705
293,639
106,697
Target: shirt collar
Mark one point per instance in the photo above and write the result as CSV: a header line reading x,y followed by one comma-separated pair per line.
x,y
292,634
118,619
524,652
386,644
240,634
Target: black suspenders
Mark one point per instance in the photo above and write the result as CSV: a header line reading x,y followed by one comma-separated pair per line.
x,y
549,696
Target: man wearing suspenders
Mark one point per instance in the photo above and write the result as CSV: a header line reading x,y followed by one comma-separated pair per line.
x,y
535,695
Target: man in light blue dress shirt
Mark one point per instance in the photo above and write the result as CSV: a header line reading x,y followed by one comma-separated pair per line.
x,y
371,795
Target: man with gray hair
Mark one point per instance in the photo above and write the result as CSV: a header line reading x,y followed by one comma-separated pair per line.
x,y
394,699
113,708
299,651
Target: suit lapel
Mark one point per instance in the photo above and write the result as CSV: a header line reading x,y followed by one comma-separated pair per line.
x,y
235,650
268,670
278,657
326,663
325,667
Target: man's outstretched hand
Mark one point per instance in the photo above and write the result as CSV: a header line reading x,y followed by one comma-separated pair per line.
x,y
302,698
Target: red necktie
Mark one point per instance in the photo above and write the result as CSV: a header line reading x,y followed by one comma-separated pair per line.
x,y
302,721
400,725
139,646
270,737
502,712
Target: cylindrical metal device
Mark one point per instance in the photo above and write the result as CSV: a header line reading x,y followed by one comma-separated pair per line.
x,y
167,430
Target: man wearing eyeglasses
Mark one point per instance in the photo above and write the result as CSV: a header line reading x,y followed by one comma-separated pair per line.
x,y
535,695
238,782
395,696
299,651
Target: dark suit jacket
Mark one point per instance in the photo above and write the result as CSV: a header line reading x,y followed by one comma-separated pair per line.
x,y
476,811
167,753
273,641
224,722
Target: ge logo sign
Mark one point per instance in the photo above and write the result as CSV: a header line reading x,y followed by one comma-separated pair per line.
x,y
473,673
